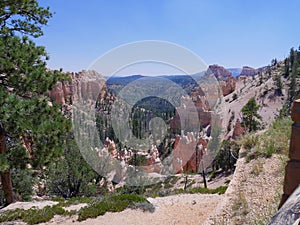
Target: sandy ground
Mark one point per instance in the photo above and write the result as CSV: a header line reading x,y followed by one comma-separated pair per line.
x,y
253,194
178,209
259,181
175,209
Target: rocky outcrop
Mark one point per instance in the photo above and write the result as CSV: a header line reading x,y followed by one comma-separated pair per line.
x,y
248,71
188,153
238,130
292,169
192,110
228,86
226,80
82,86
203,108
220,72
195,108
242,78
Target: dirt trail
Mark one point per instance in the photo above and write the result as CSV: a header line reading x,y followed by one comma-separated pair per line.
x,y
181,209
178,209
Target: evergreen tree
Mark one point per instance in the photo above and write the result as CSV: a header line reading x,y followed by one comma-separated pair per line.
x,y
286,67
250,115
279,85
295,68
274,62
298,56
292,88
23,16
71,175
292,57
32,131
260,79
226,157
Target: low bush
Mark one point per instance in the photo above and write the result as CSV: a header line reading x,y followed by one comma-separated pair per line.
x,y
274,141
113,203
34,215
220,190
96,207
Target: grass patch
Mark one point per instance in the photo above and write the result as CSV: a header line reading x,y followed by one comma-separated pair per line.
x,y
257,168
249,141
34,215
75,201
274,141
96,207
240,205
200,190
11,215
113,203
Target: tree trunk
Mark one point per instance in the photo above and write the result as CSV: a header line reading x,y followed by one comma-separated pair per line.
x,y
5,175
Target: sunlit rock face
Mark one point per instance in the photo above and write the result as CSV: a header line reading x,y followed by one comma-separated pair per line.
x,y
188,152
193,112
82,85
220,72
228,86
189,144
248,71
238,129
225,78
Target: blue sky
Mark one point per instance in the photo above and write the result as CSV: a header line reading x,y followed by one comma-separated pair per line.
x,y
230,33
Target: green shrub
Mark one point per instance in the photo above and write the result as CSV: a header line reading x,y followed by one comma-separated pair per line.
x,y
23,182
72,201
71,175
249,141
274,141
234,96
92,211
34,215
113,203
145,206
227,156
11,215
220,190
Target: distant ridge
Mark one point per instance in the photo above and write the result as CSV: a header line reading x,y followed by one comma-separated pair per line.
x,y
235,71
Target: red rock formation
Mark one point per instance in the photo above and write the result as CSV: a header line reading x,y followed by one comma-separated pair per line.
x,y
110,147
220,72
242,78
292,169
238,130
82,86
188,152
248,71
225,78
228,86
195,160
193,110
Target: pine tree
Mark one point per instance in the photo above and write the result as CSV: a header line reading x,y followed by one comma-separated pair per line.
x,y
292,88
260,79
32,131
278,84
286,67
292,57
250,115
71,175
